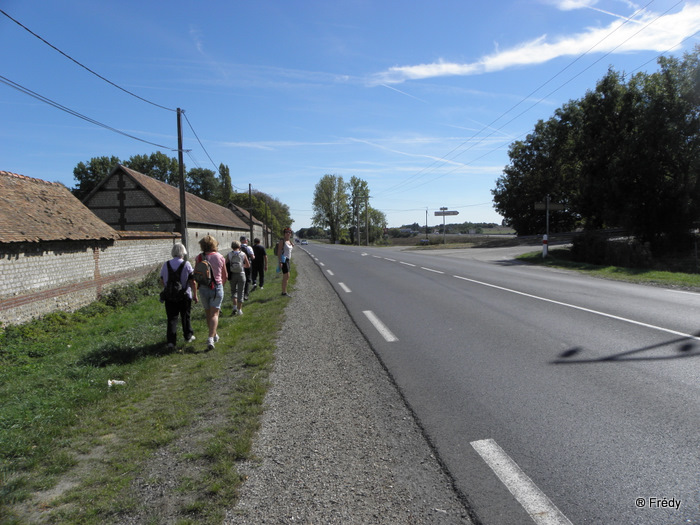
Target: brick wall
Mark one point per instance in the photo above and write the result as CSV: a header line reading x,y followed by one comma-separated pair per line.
x,y
39,278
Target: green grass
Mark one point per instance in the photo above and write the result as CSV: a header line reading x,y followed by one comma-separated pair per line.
x,y
560,258
72,449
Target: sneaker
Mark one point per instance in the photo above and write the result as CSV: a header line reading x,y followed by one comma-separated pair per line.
x,y
210,343
262,288
171,346
216,338
240,312
192,338
235,311
254,287
286,294
245,297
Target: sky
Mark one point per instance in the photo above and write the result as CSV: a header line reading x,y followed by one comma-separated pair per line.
x,y
420,99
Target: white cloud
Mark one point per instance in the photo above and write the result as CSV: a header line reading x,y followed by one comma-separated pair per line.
x,y
651,32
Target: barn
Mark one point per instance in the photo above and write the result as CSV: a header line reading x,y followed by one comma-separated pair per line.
x,y
55,254
129,200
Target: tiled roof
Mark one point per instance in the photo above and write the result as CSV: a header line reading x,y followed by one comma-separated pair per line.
x,y
33,210
198,210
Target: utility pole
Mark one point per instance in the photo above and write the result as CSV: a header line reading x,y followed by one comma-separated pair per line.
x,y
250,208
366,220
181,169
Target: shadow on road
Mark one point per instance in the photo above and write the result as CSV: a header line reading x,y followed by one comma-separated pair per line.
x,y
687,347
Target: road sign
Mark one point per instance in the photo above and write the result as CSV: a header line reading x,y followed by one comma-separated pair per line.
x,y
552,206
443,213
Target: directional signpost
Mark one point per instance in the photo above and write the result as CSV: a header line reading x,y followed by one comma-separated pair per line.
x,y
546,205
442,213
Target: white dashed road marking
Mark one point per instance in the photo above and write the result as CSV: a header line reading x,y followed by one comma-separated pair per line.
x,y
534,501
381,327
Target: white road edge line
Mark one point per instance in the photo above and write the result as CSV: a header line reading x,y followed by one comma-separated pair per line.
x,y
596,312
344,287
381,327
534,501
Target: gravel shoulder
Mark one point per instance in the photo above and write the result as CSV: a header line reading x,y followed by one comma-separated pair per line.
x,y
337,443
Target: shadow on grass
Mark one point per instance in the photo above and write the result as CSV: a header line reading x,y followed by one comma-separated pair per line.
x,y
115,354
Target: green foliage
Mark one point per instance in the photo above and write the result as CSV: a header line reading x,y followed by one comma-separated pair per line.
x,y
625,155
91,174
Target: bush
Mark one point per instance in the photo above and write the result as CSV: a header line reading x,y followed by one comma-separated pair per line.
x,y
596,249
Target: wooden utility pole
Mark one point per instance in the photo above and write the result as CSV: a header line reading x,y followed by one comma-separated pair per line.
x,y
181,169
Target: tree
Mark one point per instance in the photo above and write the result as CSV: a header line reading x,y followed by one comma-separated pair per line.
x,y
627,154
91,174
157,165
226,186
330,206
203,183
359,199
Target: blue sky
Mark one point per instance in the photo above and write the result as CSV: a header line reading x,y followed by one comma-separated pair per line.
x,y
419,98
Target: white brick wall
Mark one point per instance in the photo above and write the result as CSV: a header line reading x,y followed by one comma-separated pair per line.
x,y
36,279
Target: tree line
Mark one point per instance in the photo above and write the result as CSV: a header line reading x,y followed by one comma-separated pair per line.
x,y
626,155
205,183
343,209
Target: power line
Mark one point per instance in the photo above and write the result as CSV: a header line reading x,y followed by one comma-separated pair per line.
x,y
55,104
200,142
445,158
83,66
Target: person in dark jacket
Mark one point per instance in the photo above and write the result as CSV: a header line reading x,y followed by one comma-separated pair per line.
x,y
179,309
259,266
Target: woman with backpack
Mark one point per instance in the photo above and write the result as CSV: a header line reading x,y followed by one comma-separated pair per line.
x,y
179,289
210,274
236,263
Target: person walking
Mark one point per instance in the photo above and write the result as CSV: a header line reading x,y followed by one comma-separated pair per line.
x,y
237,262
245,248
178,299
259,264
212,296
284,252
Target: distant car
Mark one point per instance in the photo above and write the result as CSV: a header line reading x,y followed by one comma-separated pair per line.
x,y
304,241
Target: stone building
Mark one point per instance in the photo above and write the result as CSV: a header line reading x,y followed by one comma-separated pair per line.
x,y
55,254
129,200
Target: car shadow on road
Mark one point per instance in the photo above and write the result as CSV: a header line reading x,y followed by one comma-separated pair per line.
x,y
686,347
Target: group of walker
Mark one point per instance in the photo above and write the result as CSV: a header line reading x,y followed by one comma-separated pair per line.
x,y
242,266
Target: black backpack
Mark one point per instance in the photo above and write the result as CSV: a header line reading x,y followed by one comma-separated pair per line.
x,y
174,291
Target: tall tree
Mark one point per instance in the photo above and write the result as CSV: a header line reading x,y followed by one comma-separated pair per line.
x,y
359,200
203,183
330,206
91,174
226,185
157,165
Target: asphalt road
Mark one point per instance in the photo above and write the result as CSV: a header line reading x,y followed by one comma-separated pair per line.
x,y
551,397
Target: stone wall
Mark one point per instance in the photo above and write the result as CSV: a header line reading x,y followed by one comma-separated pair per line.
x,y
39,278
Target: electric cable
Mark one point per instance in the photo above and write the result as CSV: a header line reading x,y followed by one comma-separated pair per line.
x,y
83,66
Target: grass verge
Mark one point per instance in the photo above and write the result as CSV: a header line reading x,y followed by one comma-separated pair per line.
x,y
163,447
560,258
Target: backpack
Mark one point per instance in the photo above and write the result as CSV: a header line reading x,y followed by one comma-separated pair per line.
x,y
203,272
173,288
236,262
